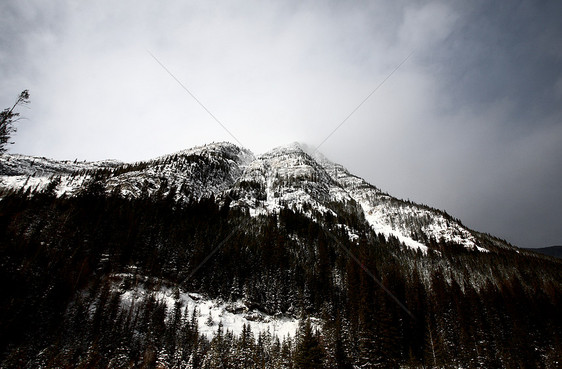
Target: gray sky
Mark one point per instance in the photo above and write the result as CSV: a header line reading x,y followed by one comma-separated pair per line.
x,y
471,123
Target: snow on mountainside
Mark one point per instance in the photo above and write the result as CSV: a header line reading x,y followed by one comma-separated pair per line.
x,y
198,172
34,173
289,176
286,176
208,313
14,165
411,223
193,173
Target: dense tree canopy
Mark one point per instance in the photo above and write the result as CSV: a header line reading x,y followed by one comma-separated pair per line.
x,y
60,308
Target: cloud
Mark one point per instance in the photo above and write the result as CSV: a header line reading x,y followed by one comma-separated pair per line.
x,y
425,25
470,120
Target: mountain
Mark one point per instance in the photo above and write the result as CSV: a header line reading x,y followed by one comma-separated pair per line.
x,y
555,251
214,257
286,176
196,172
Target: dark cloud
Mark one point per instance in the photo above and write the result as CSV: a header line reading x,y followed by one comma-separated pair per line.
x,y
505,51
470,123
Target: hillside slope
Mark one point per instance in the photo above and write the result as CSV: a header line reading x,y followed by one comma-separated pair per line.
x,y
213,257
283,177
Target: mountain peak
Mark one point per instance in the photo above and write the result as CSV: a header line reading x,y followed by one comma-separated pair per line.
x,y
294,176
293,147
215,147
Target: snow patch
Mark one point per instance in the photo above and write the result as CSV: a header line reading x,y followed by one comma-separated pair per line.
x,y
210,312
379,226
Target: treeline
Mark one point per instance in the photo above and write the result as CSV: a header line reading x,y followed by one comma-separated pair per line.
x,y
459,308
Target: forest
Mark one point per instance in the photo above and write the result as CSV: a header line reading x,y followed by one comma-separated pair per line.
x,y
387,306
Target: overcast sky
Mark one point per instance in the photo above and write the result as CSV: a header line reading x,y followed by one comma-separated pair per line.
x,y
471,123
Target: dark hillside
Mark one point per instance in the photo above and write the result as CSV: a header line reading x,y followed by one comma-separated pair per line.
x,y
60,308
555,251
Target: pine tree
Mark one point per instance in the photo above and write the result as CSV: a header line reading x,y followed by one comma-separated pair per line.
x,y
7,119
216,357
308,352
286,360
244,357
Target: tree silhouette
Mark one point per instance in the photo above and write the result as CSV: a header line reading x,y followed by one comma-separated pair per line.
x,y
7,119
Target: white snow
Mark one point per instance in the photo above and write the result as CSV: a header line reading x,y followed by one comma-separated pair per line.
x,y
389,216
232,315
374,219
24,182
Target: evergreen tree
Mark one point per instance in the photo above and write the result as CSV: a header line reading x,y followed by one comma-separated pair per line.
x,y
244,356
308,352
7,119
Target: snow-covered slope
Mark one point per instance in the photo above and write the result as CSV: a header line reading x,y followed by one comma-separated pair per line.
x,y
193,173
34,173
21,165
285,177
413,224
290,176
208,313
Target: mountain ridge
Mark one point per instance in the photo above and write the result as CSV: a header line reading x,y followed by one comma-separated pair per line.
x,y
555,251
292,175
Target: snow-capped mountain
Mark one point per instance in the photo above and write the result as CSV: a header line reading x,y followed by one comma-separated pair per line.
x,y
289,176
285,177
213,255
197,172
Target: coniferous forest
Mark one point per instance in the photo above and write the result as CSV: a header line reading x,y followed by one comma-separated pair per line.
x,y
61,258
